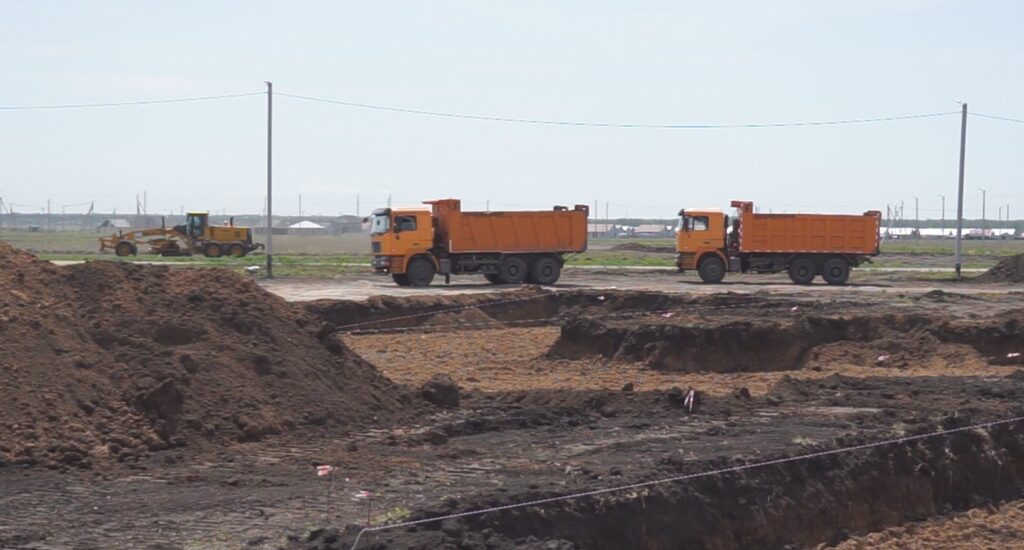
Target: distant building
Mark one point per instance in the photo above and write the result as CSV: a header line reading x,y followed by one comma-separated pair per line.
x,y
306,227
653,230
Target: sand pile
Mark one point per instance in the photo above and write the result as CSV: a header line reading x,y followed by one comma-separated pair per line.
x,y
112,361
1009,270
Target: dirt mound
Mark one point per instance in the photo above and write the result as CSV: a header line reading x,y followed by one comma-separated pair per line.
x,y
111,360
1009,270
640,247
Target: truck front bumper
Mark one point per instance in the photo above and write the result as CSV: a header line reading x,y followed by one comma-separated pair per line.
x,y
381,264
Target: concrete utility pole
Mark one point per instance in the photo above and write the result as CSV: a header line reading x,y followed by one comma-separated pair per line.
x,y
389,200
917,217
960,189
270,179
300,205
984,225
943,224
357,205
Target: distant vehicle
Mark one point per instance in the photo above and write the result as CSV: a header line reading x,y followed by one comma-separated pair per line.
x,y
414,245
804,245
195,236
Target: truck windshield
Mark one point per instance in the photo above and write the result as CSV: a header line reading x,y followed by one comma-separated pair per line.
x,y
379,224
692,223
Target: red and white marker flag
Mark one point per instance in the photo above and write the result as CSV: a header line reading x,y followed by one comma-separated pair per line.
x,y
362,495
324,470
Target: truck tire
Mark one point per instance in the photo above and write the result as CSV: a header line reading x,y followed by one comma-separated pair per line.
x,y
420,272
835,271
213,250
492,278
512,270
237,250
545,271
711,270
802,271
400,279
125,248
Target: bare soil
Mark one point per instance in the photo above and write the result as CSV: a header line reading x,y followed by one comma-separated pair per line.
x,y
449,402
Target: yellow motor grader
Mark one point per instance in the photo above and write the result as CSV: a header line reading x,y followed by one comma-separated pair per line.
x,y
196,236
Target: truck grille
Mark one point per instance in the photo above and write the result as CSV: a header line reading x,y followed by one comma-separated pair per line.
x,y
375,247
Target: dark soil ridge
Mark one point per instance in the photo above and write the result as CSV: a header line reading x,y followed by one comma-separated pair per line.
x,y
531,304
766,345
1008,270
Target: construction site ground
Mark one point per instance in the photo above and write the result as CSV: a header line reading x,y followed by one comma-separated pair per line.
x,y
493,396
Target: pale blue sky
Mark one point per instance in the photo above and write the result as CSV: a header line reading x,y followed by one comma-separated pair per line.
x,y
644,62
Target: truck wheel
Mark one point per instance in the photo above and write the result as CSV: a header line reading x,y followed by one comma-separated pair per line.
x,y
711,270
420,272
125,248
512,271
236,250
400,279
835,271
213,250
802,271
545,271
492,278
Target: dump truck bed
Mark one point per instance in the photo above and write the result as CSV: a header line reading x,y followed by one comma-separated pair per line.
x,y
543,231
810,233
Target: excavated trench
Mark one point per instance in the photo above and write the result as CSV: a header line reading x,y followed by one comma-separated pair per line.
x,y
788,344
801,503
797,504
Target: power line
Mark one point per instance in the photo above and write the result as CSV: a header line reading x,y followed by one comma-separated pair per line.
x,y
996,117
612,124
126,103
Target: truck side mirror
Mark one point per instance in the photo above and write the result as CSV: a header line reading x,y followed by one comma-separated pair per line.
x,y
397,229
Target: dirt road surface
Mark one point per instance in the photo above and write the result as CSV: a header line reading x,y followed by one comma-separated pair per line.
x,y
360,286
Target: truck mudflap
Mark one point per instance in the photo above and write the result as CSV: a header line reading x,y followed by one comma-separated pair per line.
x,y
735,264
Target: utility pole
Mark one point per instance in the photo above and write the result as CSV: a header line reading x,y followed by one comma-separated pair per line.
x,y
300,205
270,179
943,225
917,217
357,205
145,202
960,189
389,200
606,223
488,207
49,222
984,225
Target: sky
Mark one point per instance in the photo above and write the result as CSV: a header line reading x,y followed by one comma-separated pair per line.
x,y
644,62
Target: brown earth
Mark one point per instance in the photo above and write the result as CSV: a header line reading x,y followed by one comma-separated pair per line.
x,y
109,362
512,421
1008,270
986,527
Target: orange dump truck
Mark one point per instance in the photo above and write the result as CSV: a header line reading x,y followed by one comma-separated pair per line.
x,y
804,245
413,245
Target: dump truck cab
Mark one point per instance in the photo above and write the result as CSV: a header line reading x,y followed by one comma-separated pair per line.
x,y
396,236
700,235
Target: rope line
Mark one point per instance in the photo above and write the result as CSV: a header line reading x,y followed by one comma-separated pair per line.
x,y
610,124
126,103
684,477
